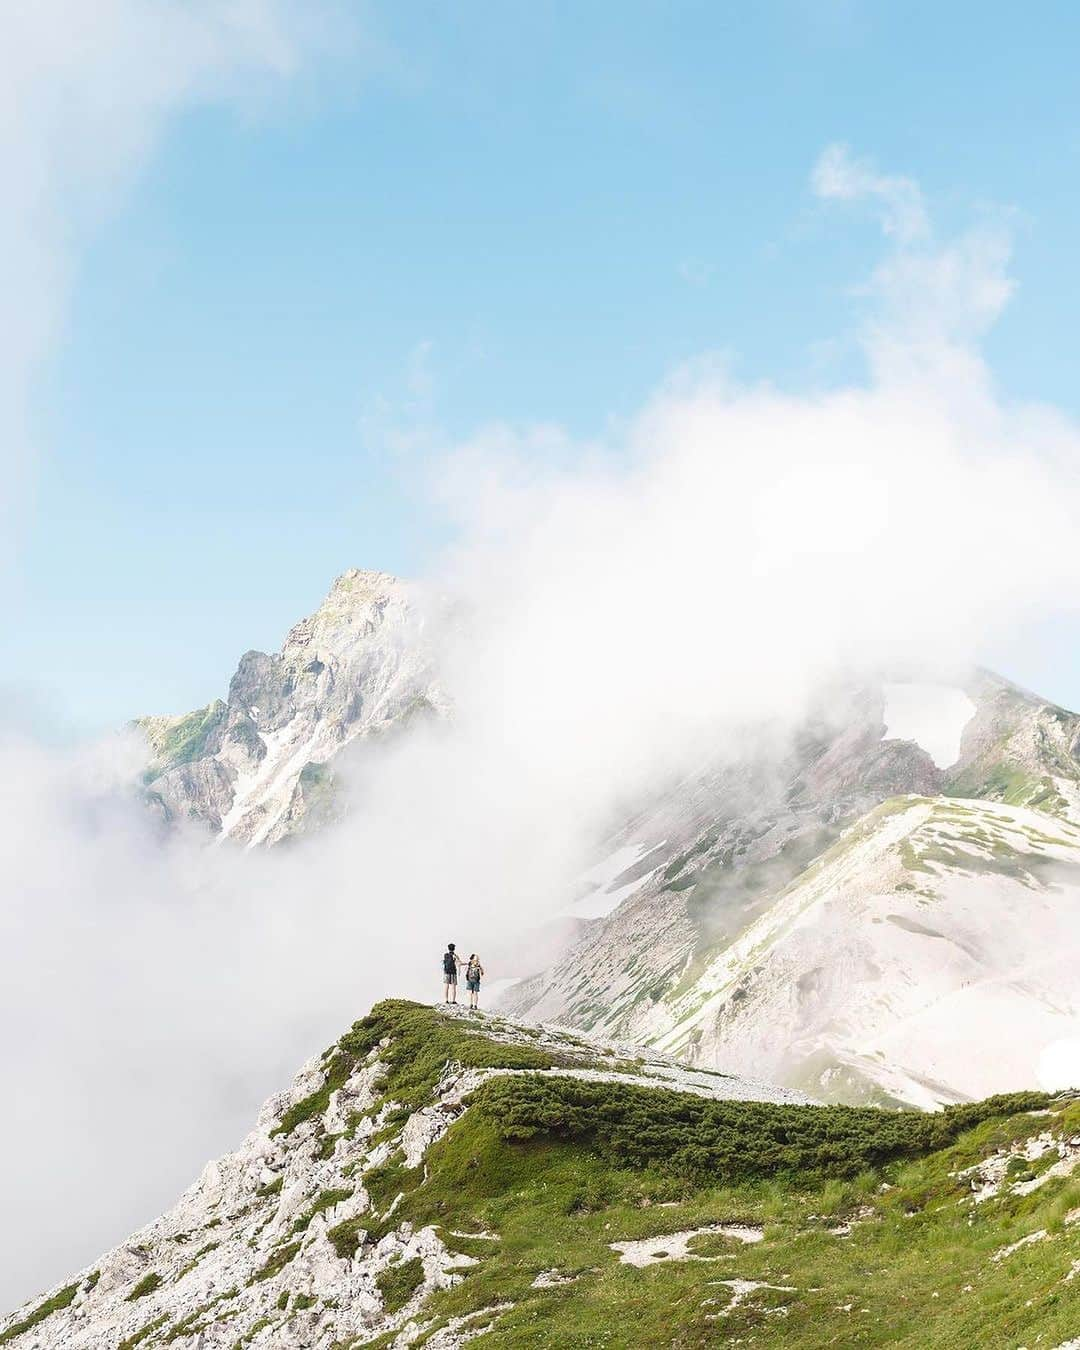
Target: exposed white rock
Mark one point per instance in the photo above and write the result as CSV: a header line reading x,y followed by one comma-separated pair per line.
x,y
991,1176
741,1290
357,668
552,1279
1005,1252
676,1246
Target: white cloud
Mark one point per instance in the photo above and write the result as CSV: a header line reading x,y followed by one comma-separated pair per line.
x,y
930,300
85,92
839,175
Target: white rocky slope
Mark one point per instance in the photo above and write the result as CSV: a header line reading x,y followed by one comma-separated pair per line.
x,y
732,922
250,1254
257,767
932,953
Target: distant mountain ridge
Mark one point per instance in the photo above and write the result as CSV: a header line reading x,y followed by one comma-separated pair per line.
x,y
856,909
257,767
854,919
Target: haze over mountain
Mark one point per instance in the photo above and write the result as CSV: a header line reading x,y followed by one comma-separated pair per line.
x,y
853,908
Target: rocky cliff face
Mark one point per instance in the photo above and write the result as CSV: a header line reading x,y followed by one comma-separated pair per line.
x,y
436,1177
258,767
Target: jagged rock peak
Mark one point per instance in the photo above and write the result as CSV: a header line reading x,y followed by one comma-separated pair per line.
x,y
255,767
355,606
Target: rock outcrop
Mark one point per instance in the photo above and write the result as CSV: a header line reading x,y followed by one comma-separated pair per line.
x,y
259,766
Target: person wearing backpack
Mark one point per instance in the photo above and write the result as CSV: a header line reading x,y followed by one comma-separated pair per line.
x,y
473,971
450,963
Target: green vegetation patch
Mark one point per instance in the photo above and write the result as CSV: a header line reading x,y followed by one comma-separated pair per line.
x,y
701,1139
259,1325
916,1269
421,1043
203,1251
326,1200
384,1183
146,1285
398,1283
180,740
348,1237
193,1322
277,1262
43,1310
315,1103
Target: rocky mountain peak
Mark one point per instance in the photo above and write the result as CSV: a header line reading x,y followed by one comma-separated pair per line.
x,y
256,767
356,605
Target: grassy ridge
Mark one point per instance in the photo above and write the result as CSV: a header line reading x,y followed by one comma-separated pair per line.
x,y
559,1168
867,1230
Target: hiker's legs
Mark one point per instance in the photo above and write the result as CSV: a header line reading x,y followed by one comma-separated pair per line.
x,y
446,992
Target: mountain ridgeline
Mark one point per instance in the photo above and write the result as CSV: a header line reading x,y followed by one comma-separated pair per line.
x,y
258,768
695,1127
884,907
436,1178
858,919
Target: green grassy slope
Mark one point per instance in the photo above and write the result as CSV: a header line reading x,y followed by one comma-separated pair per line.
x,y
768,1225
560,1169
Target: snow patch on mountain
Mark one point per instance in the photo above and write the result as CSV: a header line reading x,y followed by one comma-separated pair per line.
x,y
932,715
602,890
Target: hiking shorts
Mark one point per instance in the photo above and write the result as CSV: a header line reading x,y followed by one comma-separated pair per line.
x,y
473,986
449,976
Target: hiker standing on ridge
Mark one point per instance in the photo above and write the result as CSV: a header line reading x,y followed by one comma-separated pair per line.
x,y
473,972
450,963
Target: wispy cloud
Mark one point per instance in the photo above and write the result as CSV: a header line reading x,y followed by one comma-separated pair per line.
x,y
839,174
85,92
930,300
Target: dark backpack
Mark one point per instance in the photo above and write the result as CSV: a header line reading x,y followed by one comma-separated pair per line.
x,y
449,964
473,971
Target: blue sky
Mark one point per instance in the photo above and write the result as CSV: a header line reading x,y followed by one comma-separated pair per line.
x,y
481,212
